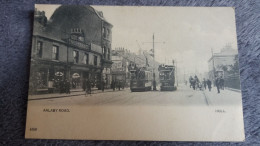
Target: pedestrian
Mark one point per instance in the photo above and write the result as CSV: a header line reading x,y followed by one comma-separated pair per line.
x,y
119,85
193,83
114,85
222,83
196,79
205,83
88,87
218,84
103,85
61,86
209,84
84,85
67,87
190,79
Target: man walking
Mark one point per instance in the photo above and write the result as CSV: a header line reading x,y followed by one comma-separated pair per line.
x,y
119,85
67,87
190,79
209,84
205,83
88,87
103,85
222,83
84,85
218,84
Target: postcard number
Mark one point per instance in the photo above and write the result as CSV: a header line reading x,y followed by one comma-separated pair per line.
x,y
33,129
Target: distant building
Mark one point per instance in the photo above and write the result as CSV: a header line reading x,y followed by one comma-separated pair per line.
x,y
74,45
122,57
226,57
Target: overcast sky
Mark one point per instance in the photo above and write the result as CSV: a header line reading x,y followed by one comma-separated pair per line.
x,y
189,33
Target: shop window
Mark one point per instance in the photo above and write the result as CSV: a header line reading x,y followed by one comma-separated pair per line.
x,y
39,49
86,58
95,60
76,56
55,52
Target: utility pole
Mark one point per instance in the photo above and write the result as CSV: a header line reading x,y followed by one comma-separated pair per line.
x,y
153,54
176,73
213,63
154,82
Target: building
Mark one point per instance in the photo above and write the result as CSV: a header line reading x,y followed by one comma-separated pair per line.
x,y
121,59
73,45
226,58
119,70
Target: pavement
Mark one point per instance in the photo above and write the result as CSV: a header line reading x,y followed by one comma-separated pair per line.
x,y
73,92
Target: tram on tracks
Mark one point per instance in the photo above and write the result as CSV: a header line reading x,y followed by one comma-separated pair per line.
x,y
141,78
167,77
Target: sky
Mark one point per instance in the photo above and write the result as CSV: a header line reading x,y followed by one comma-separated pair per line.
x,y
185,34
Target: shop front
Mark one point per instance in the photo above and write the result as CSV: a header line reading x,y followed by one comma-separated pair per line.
x,y
46,77
107,78
79,74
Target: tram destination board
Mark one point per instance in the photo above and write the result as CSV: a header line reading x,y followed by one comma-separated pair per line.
x,y
134,73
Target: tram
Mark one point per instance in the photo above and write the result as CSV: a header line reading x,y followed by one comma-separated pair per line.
x,y
167,77
141,79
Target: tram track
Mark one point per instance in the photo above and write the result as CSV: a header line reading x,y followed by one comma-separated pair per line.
x,y
206,98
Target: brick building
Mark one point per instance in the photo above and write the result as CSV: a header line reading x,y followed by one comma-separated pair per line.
x,y
73,45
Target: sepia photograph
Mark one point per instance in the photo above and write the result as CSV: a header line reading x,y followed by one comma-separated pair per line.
x,y
134,73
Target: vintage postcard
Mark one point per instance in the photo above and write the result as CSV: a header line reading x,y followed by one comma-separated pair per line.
x,y
134,73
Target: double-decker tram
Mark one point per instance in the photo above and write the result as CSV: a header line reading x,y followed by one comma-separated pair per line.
x,y
141,79
167,77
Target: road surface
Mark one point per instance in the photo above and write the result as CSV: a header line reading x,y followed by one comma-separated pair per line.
x,y
184,96
180,115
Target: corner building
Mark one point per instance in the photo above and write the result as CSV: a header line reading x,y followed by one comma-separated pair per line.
x,y
73,45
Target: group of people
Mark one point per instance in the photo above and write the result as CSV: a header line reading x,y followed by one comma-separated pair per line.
x,y
195,83
207,83
88,84
63,86
117,84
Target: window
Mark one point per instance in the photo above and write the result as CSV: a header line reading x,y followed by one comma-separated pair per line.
x,y
76,56
104,32
81,38
85,59
95,60
108,33
105,52
39,49
108,54
55,52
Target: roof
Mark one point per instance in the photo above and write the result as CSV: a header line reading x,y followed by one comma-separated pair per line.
x,y
62,18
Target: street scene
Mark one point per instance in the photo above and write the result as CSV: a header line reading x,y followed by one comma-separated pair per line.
x,y
134,73
67,61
